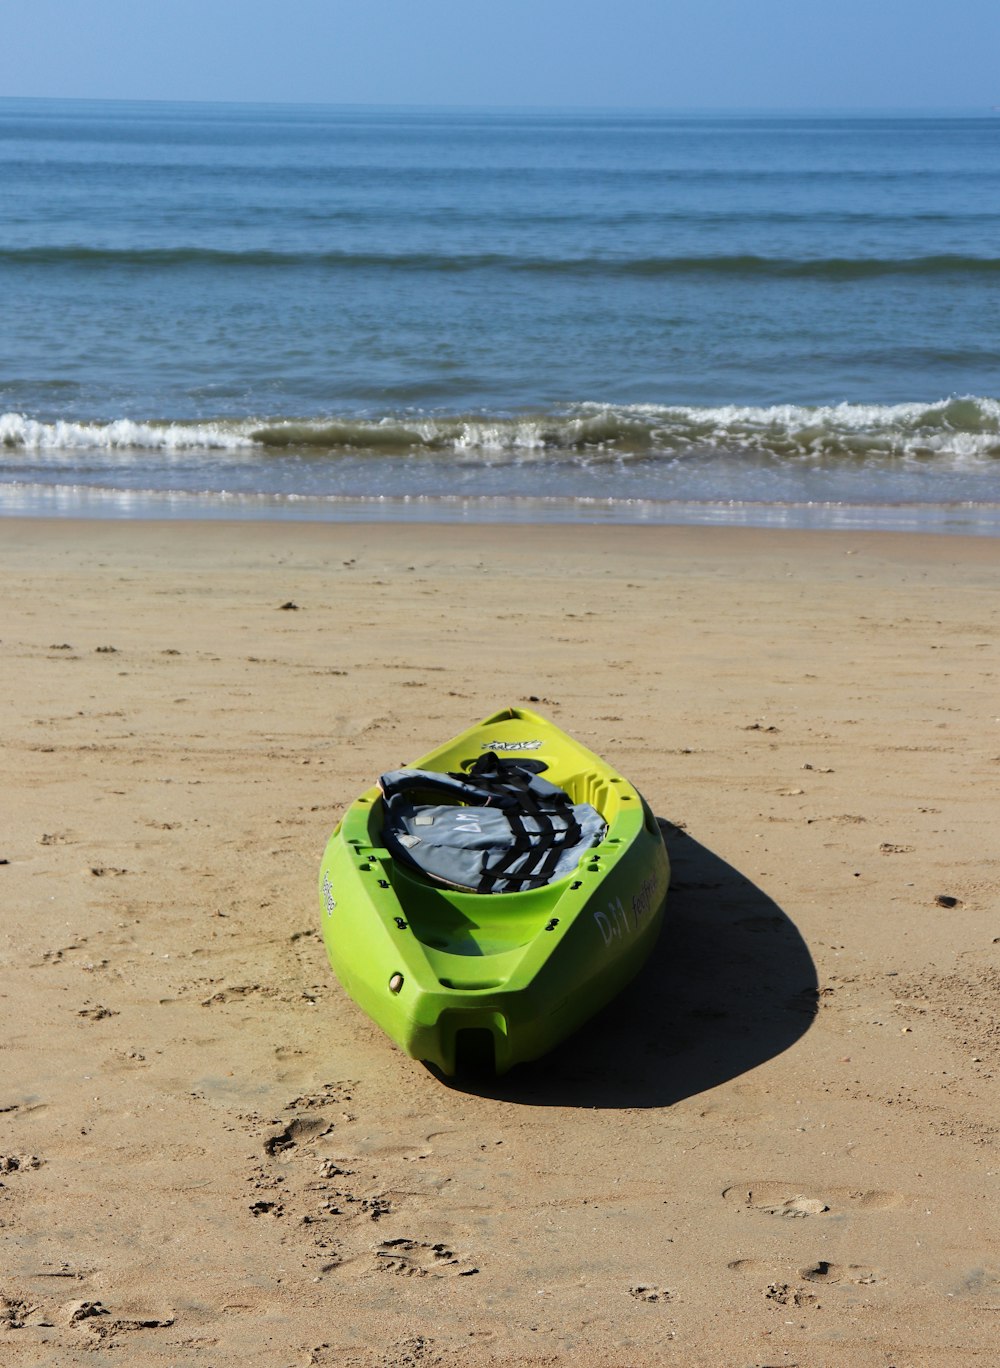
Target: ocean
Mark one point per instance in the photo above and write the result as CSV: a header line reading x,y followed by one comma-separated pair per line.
x,y
263,311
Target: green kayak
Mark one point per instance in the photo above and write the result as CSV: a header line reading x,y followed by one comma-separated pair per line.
x,y
483,903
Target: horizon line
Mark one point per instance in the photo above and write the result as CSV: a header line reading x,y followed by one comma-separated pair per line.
x,y
843,111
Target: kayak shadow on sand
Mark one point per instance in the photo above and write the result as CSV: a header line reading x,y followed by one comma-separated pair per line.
x,y
729,985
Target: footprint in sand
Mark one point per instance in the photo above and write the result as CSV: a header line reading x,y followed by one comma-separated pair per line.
x,y
795,1206
787,1295
95,1316
16,1313
645,1292
782,1199
828,1273
299,1131
775,1200
11,1163
416,1258
820,1273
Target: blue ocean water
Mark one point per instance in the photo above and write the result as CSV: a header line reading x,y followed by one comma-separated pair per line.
x,y
311,311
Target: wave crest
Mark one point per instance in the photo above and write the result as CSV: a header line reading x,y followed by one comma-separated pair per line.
x,y
734,265
124,434
959,429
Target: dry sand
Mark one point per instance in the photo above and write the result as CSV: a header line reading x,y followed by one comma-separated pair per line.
x,y
780,1147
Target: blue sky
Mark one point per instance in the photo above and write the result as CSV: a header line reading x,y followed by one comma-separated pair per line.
x,y
677,54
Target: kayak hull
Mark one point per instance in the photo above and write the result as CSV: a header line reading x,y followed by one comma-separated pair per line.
x,y
479,981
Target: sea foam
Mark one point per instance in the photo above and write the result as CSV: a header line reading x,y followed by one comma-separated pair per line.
x,y
955,431
17,430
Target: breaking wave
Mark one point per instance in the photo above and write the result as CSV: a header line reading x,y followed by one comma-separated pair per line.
x,y
954,431
17,430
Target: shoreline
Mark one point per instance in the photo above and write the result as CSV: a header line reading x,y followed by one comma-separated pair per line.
x,y
779,1145
207,537
950,517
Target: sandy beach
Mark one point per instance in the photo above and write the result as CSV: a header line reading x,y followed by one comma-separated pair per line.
x,y
780,1147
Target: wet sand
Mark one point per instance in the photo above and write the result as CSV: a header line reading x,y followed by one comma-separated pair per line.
x,y
781,1146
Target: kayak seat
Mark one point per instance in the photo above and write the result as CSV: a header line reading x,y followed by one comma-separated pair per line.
x,y
498,827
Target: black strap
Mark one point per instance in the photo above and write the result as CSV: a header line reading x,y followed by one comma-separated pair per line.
x,y
506,784
540,850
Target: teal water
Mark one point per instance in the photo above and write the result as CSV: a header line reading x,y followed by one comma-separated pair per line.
x,y
307,311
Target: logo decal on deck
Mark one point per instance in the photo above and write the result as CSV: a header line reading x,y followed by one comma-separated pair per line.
x,y
510,745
